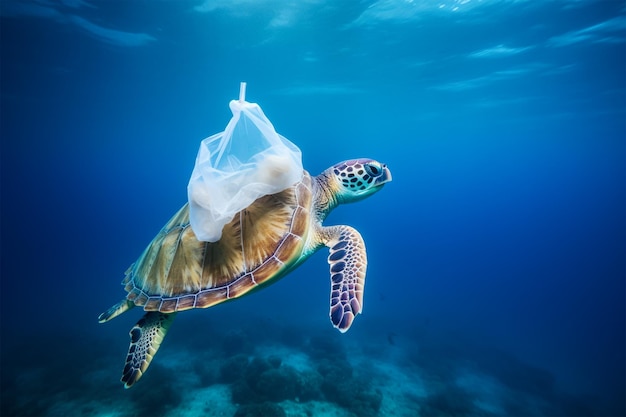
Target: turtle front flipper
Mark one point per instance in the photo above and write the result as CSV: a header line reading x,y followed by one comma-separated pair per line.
x,y
145,339
348,262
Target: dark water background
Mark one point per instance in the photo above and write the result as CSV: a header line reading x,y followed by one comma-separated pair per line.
x,y
502,234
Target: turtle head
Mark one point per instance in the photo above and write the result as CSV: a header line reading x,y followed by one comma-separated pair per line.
x,y
356,179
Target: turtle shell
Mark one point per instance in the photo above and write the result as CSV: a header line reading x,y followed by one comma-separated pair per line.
x,y
178,272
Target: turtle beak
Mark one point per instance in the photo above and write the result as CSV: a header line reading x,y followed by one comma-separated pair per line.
x,y
383,178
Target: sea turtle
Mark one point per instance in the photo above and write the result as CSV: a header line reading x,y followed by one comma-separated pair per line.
x,y
261,244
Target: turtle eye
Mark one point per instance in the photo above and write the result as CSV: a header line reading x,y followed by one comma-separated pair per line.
x,y
373,169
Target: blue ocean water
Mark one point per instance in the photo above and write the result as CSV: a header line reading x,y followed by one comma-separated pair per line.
x,y
496,278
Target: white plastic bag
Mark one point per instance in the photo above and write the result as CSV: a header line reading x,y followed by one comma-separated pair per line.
x,y
235,167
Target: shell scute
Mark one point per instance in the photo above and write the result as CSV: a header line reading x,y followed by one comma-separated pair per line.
x,y
267,270
208,298
168,305
289,245
186,302
141,299
304,192
132,295
300,221
241,286
152,304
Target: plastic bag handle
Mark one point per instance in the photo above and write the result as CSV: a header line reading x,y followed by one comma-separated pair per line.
x,y
242,101
242,92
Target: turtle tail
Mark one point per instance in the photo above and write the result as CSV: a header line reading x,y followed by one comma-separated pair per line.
x,y
119,308
145,339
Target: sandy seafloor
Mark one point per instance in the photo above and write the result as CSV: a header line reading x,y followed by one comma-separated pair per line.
x,y
267,369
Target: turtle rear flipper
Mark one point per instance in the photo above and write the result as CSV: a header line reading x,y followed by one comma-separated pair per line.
x,y
145,339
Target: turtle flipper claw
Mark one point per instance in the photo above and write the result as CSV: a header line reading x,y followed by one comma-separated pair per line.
x,y
145,339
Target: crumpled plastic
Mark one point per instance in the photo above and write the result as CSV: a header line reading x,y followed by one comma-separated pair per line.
x,y
233,168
